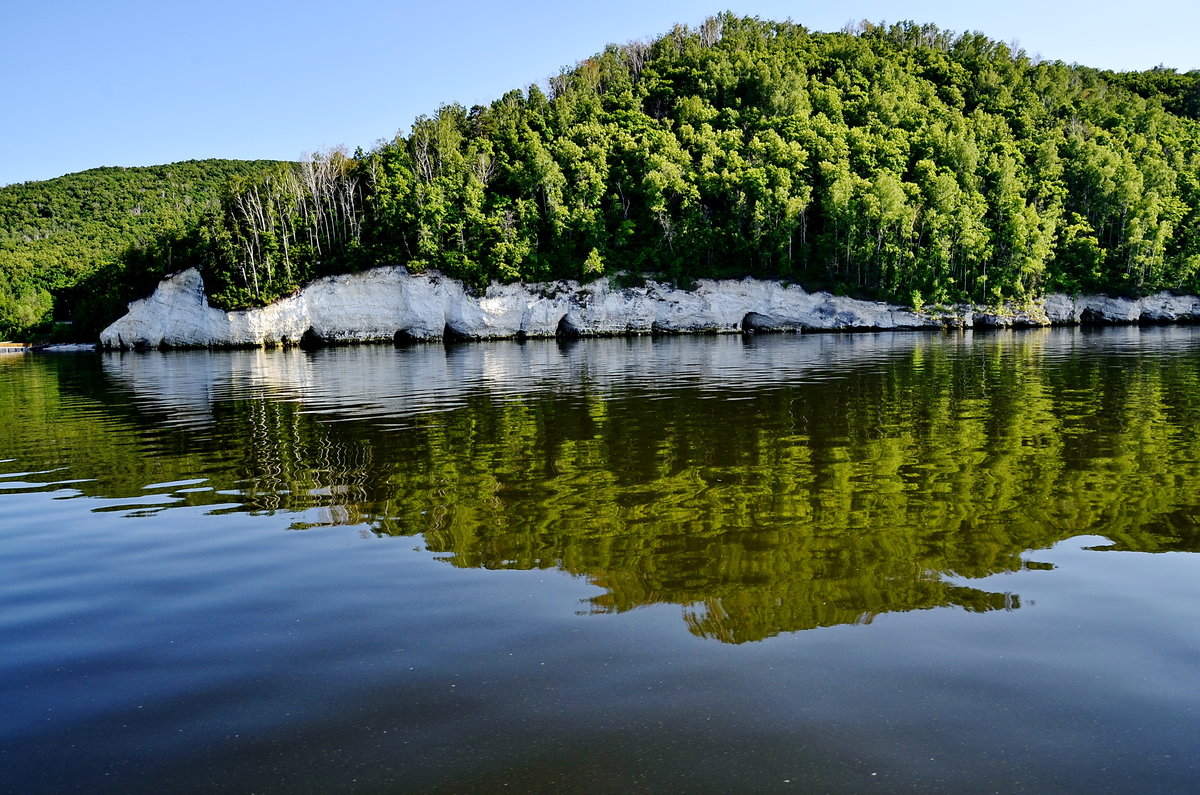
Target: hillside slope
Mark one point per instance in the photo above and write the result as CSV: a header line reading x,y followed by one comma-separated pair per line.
x,y
55,232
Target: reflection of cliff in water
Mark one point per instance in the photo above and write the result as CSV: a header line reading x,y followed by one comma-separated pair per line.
x,y
765,484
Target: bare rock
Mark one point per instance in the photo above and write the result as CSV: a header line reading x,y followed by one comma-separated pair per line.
x,y
390,304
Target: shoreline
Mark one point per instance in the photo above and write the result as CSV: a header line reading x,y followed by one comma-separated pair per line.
x,y
390,305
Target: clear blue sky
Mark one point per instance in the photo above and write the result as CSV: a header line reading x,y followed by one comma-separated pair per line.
x,y
128,82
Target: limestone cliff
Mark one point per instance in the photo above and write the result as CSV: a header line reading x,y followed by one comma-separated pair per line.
x,y
388,303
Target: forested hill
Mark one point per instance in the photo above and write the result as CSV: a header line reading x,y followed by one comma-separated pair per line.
x,y
55,232
901,162
904,162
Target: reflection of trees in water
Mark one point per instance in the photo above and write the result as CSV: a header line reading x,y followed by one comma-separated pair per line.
x,y
290,462
742,616
797,505
814,505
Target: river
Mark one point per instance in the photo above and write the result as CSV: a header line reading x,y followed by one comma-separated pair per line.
x,y
765,563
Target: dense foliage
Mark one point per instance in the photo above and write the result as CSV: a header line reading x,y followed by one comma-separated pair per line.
x,y
1178,93
904,162
98,223
299,221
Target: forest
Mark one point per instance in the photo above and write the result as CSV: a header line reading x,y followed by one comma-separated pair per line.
x,y
901,162
93,234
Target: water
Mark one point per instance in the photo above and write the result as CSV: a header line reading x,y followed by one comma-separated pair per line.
x,y
772,563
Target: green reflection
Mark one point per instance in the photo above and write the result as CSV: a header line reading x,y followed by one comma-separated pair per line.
x,y
792,499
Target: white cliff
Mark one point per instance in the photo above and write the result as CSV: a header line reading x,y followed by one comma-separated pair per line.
x,y
388,303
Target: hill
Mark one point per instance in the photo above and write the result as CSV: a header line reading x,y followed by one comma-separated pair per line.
x,y
905,163
902,162
53,233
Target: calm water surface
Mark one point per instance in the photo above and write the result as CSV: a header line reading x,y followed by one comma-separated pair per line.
x,y
834,563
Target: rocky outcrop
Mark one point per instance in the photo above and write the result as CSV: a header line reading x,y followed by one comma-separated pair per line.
x,y
390,304
1062,310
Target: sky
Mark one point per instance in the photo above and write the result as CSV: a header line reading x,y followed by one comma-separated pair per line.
x,y
131,82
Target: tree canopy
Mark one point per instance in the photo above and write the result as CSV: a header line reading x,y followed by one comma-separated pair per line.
x,y
92,227
903,162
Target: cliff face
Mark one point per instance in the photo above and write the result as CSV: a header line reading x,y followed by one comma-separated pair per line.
x,y
389,304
